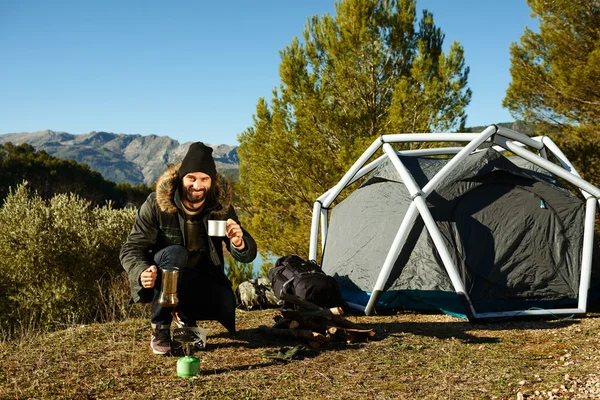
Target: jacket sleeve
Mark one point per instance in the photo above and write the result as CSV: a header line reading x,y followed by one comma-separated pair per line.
x,y
248,253
133,252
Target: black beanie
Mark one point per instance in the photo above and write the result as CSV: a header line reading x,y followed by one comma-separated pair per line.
x,y
198,159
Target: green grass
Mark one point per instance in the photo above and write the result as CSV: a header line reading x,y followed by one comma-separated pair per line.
x,y
412,356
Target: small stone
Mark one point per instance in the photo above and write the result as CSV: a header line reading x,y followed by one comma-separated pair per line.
x,y
521,383
520,396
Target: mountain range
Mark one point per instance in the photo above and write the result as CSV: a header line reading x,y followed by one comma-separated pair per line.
x,y
135,159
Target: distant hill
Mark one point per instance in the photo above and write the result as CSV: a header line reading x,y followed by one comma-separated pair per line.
x,y
518,126
48,175
122,158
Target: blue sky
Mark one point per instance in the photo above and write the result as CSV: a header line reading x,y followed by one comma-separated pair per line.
x,y
194,70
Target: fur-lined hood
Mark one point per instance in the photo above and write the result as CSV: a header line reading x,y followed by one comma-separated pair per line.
x,y
219,196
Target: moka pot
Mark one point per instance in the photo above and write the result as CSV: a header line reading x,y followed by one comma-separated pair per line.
x,y
168,292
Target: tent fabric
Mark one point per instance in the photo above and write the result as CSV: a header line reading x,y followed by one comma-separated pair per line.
x,y
514,234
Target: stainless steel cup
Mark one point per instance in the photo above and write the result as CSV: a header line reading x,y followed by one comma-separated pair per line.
x,y
168,293
217,227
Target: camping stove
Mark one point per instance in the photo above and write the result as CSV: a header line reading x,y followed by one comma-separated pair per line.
x,y
187,339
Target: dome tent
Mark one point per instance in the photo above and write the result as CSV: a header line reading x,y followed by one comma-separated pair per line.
x,y
477,234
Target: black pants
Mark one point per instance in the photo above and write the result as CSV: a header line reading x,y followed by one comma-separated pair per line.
x,y
203,295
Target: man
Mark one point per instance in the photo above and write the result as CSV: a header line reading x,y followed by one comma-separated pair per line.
x,y
170,230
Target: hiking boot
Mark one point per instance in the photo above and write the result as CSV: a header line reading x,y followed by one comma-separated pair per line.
x,y
161,341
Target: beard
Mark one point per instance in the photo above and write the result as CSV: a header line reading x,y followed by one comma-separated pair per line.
x,y
195,196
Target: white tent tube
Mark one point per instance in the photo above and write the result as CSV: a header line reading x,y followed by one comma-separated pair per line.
x,y
464,153
411,186
499,149
363,171
509,133
586,259
435,151
564,161
436,236
367,168
429,137
547,165
323,196
324,227
314,231
543,151
352,172
407,223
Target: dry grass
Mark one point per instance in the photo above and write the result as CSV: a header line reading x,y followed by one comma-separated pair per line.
x,y
413,356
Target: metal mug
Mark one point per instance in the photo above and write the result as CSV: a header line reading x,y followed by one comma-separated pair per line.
x,y
217,227
168,294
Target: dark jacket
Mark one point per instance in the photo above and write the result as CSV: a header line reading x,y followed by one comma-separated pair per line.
x,y
160,223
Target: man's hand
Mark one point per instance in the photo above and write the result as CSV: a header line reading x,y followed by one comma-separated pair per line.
x,y
235,234
148,277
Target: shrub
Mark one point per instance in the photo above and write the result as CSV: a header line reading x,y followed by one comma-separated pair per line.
x,y
58,258
238,272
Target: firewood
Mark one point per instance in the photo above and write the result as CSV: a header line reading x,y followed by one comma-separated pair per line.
x,y
350,338
293,333
316,322
344,323
337,311
292,315
305,323
281,323
290,298
323,313
357,332
293,299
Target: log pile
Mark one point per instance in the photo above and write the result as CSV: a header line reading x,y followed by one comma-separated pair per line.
x,y
315,325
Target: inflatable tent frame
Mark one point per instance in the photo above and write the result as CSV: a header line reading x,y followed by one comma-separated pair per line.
x,y
502,139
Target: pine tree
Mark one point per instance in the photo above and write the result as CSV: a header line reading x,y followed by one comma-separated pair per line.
x,y
368,70
238,272
556,72
556,79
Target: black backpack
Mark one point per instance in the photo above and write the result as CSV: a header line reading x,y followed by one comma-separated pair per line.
x,y
305,279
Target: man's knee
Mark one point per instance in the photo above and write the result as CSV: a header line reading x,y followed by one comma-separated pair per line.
x,y
172,256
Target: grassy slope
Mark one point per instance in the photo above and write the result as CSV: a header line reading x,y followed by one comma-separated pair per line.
x,y
412,356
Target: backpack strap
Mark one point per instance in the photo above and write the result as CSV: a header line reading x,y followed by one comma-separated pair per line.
x,y
292,272
286,284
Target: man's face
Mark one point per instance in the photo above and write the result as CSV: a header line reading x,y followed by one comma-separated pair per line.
x,y
195,186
